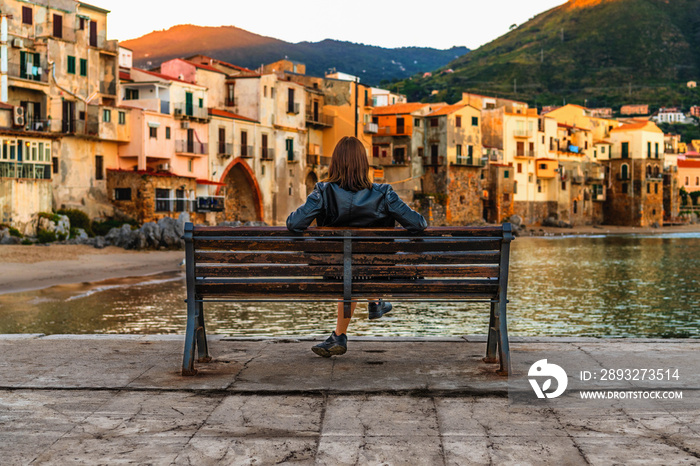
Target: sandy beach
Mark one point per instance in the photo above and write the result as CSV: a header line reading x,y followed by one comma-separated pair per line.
x,y
25,268
35,267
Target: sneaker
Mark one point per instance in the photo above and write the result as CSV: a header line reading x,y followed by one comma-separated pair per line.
x,y
335,345
378,310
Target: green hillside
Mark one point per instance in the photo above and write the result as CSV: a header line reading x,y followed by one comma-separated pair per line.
x,y
590,52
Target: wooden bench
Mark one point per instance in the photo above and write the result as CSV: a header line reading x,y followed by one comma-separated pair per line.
x,y
270,264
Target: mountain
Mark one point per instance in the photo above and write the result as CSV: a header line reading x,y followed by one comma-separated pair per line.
x,y
240,47
599,53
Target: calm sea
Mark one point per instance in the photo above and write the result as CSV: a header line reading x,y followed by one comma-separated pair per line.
x,y
607,286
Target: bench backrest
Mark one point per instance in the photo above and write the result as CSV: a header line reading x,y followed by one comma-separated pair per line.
x,y
271,263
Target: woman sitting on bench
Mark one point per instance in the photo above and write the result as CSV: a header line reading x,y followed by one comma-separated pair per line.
x,y
347,198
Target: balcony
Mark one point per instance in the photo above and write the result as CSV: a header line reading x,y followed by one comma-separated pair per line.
x,y
183,146
319,119
37,124
55,30
292,156
29,72
470,161
245,151
231,102
371,128
108,88
267,153
325,161
210,203
522,133
31,171
225,150
189,111
313,159
293,108
524,153
80,127
391,131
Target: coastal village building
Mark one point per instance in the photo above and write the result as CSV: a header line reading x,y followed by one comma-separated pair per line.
x,y
635,175
689,173
383,97
61,127
453,163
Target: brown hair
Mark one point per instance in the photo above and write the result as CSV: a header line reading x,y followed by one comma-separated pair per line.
x,y
349,167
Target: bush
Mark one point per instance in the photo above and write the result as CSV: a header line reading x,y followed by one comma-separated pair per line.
x,y
51,216
46,236
103,227
78,219
13,231
26,242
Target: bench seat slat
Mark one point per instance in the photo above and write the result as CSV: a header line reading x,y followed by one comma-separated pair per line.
x,y
267,270
299,288
200,231
358,247
464,258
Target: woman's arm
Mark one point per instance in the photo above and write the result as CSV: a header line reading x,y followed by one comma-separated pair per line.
x,y
402,213
300,219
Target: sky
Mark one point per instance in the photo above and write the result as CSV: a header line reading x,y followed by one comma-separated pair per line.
x,y
436,23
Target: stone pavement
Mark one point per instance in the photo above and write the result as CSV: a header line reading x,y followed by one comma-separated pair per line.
x,y
71,399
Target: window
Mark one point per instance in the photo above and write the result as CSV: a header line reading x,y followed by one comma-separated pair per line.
x,y
106,115
539,186
506,174
83,67
122,194
71,65
529,177
81,24
264,91
416,122
122,118
99,167
475,121
189,166
289,146
543,166
624,172
26,15
687,182
162,200
649,149
575,207
458,121
624,188
459,150
563,185
648,188
400,128
230,96
54,163
58,26
433,122
656,188
201,103
131,94
656,150
520,167
290,100
602,149
697,181
244,144
515,187
625,152
153,132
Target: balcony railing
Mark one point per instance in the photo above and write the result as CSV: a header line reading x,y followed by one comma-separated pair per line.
x,y
225,149
267,153
90,128
33,171
37,124
523,153
108,88
313,159
522,133
292,155
391,130
210,203
319,119
183,146
466,160
190,111
231,102
325,161
246,152
28,72
371,128
293,107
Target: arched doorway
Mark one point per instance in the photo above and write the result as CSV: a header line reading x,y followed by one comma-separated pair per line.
x,y
311,180
243,201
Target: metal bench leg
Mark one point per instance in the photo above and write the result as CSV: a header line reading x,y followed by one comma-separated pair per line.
x,y
202,347
503,346
188,358
492,336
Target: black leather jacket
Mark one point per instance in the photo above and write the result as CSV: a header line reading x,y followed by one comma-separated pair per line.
x,y
332,206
